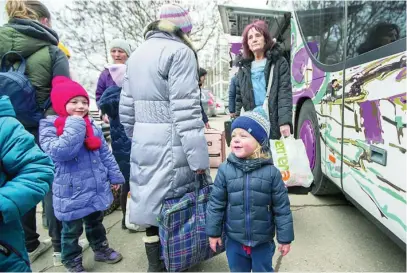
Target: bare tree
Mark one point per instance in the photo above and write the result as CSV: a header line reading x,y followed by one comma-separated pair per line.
x,y
87,26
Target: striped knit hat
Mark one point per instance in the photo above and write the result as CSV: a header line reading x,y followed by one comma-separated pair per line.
x,y
177,15
256,123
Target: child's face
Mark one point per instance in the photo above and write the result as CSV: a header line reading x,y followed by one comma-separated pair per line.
x,y
243,143
78,106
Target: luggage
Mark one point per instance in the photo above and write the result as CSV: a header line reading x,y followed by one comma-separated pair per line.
x,y
115,204
182,229
290,157
216,147
228,131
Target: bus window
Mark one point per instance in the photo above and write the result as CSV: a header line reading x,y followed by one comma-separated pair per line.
x,y
372,24
322,24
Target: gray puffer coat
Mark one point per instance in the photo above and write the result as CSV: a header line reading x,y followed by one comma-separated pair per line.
x,y
280,99
160,111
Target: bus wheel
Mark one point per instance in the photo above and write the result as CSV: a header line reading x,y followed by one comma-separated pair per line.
x,y
308,131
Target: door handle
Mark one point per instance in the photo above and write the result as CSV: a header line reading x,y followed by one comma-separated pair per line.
x,y
378,155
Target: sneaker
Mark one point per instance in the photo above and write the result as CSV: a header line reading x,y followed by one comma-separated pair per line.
x,y
108,255
84,243
56,257
41,249
75,265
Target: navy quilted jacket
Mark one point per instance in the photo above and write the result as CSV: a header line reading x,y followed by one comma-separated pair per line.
x,y
121,144
250,200
83,177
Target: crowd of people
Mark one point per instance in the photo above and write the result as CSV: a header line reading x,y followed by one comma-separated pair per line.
x,y
150,96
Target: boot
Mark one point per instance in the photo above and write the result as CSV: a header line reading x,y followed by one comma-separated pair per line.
x,y
124,222
75,265
152,245
107,255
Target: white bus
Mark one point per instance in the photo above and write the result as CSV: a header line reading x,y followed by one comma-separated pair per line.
x,y
348,76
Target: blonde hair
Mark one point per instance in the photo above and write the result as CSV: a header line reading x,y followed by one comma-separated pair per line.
x,y
27,9
258,153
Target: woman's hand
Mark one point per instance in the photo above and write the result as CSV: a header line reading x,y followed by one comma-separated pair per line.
x,y
213,242
285,130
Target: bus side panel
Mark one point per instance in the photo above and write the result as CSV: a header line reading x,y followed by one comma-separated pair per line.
x,y
374,140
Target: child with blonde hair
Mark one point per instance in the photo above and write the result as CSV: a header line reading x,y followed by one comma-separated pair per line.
x,y
249,200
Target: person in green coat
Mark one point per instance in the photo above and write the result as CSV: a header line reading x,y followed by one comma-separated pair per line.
x,y
26,174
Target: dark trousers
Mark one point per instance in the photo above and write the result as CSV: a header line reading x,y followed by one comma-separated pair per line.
x,y
260,259
123,196
72,230
29,222
152,231
54,225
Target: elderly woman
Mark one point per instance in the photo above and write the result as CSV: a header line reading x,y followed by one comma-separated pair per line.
x,y
120,52
260,53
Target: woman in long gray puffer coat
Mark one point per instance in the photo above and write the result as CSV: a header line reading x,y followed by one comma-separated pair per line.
x,y
160,111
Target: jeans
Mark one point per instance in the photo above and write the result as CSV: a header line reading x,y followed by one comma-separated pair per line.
x,y
54,225
72,230
260,259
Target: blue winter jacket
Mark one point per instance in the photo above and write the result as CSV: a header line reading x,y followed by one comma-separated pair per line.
x,y
25,175
121,144
83,177
250,200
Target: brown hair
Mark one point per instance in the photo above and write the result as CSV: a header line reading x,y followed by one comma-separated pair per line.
x,y
27,9
261,27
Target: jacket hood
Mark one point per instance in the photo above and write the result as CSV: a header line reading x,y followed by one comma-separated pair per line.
x,y
117,71
34,29
26,37
6,108
249,165
272,54
168,30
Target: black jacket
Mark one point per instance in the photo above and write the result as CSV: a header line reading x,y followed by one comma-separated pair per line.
x,y
280,99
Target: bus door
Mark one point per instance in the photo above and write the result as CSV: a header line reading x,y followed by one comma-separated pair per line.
x,y
374,142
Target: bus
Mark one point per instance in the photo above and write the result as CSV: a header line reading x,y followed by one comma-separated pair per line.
x,y
348,76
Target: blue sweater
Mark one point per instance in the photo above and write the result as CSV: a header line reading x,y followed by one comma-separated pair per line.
x,y
259,81
250,200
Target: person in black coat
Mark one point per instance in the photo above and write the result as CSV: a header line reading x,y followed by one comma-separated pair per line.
x,y
260,52
202,76
121,144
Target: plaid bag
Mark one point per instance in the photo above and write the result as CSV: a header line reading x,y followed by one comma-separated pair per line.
x,y
182,229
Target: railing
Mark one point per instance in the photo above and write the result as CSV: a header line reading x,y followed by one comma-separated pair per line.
x,y
98,121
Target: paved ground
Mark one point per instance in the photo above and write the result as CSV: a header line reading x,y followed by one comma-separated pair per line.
x,y
330,235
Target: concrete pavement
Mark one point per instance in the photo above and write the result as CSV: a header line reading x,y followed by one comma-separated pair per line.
x,y
330,235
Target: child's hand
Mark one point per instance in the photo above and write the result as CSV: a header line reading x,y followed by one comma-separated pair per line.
x,y
116,187
284,249
213,242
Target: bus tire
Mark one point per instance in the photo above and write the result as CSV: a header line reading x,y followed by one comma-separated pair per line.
x,y
308,131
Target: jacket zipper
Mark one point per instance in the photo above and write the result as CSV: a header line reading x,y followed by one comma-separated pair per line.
x,y
247,210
